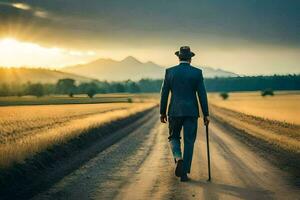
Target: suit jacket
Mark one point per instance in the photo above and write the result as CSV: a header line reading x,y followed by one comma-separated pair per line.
x,y
184,82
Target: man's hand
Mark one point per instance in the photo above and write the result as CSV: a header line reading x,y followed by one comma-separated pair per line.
x,y
206,121
163,118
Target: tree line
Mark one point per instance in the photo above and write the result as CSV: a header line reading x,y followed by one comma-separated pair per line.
x,y
253,83
70,87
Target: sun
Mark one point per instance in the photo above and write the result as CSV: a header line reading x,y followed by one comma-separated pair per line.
x,y
22,53
8,40
9,44
13,45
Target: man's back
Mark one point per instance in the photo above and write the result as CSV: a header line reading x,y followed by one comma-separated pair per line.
x,y
183,81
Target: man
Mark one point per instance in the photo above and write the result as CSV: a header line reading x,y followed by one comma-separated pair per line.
x,y
184,82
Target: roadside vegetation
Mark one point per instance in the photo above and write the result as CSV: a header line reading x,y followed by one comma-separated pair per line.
x,y
28,130
268,124
278,142
280,134
78,99
224,95
267,92
283,107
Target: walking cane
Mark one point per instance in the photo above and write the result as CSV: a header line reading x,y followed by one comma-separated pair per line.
x,y
208,154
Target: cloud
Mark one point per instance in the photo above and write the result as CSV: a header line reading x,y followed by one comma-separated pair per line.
x,y
21,6
268,21
35,11
214,28
41,13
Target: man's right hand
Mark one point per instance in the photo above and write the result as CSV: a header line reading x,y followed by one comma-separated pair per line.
x,y
163,118
206,121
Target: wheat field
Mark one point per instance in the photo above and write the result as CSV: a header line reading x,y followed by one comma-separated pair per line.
x,y
283,107
27,130
274,119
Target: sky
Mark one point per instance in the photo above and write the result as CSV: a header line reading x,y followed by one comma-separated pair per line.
x,y
248,37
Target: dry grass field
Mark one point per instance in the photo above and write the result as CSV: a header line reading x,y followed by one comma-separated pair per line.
x,y
27,130
77,99
284,106
274,120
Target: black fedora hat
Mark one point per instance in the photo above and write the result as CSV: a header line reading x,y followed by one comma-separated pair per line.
x,y
184,52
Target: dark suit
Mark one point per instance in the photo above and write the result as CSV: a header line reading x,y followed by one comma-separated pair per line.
x,y
184,82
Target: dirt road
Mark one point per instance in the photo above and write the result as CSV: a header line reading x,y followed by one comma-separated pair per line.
x,y
140,166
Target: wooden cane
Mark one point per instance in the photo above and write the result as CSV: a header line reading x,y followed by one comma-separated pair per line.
x,y
208,154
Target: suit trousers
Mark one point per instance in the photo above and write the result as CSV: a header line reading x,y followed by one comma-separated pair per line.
x,y
189,125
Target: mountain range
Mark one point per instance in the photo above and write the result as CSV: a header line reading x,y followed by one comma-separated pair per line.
x,y
101,69
131,68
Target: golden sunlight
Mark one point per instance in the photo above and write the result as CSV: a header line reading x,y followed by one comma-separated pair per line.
x,y
21,6
14,53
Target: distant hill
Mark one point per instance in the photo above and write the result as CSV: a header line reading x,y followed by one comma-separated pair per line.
x,y
131,68
34,75
209,72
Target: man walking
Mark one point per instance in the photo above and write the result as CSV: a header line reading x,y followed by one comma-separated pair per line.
x,y
184,82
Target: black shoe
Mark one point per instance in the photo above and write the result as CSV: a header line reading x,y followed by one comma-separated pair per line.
x,y
184,178
178,170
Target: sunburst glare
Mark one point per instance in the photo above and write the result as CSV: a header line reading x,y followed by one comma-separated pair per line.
x,y
32,54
